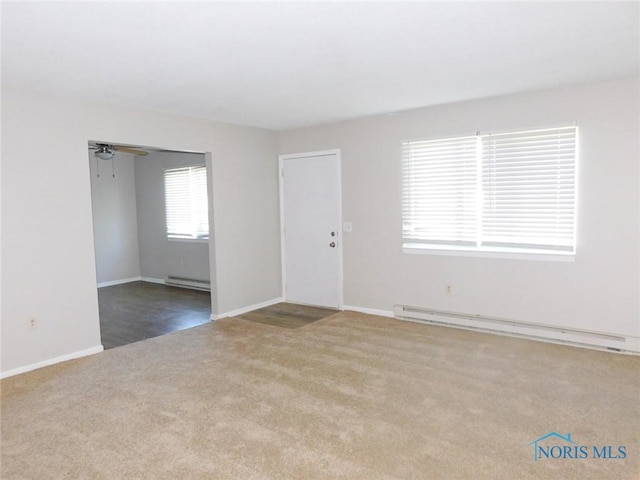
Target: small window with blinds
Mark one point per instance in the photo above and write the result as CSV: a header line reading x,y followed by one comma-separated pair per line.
x,y
508,192
186,203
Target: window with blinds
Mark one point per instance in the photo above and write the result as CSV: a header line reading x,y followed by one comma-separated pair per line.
x,y
186,202
508,192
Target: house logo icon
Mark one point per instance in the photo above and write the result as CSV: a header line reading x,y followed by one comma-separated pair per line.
x,y
568,441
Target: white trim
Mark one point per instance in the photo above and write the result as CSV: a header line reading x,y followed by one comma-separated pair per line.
x,y
119,282
250,308
417,249
188,240
340,235
213,274
52,361
283,269
370,311
134,279
319,153
153,280
499,131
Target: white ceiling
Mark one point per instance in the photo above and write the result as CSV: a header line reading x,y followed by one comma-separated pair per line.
x,y
285,65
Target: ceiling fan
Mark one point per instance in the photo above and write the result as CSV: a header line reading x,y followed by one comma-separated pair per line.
x,y
106,151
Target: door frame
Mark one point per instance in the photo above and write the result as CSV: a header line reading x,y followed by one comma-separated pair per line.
x,y
283,251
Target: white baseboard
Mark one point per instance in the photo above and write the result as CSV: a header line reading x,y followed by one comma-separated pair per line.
x,y
240,311
119,282
52,361
132,279
370,311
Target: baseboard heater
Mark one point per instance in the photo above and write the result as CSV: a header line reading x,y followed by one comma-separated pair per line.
x,y
188,283
534,331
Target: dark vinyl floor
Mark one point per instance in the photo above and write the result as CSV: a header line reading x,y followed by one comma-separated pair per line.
x,y
288,315
135,311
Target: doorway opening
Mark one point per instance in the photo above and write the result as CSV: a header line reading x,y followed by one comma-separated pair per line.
x,y
152,211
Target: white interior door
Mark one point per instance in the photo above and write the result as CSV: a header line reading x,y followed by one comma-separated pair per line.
x,y
311,215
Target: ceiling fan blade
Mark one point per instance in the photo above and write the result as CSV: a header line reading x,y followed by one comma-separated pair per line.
x,y
134,151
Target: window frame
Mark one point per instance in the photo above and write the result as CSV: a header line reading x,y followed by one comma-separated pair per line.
x,y
193,236
434,248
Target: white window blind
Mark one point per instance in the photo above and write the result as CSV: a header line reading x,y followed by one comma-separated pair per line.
x,y
440,190
497,192
528,185
186,202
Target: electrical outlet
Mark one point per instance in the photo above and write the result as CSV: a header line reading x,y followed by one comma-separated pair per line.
x,y
32,324
347,227
449,290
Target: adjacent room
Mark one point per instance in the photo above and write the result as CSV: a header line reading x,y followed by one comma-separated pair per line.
x,y
318,240
151,233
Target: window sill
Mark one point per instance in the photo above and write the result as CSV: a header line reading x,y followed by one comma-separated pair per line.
x,y
188,240
489,253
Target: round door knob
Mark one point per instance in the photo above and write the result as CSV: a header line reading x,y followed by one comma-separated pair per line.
x,y
332,244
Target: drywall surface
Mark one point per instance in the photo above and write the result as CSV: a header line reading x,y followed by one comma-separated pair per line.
x,y
115,223
159,256
48,255
599,291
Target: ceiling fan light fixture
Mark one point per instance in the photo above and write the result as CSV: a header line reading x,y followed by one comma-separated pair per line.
x,y
105,152
104,155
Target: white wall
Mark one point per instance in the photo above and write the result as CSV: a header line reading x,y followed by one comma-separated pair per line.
x,y
599,291
160,257
115,222
48,261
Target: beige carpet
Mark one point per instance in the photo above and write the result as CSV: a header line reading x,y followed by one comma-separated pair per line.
x,y
350,396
